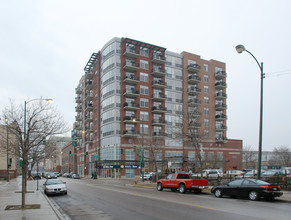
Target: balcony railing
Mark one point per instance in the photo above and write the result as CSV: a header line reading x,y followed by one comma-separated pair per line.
x,y
220,85
130,119
89,85
89,107
159,134
220,106
158,71
159,97
159,84
194,102
130,133
78,90
159,121
130,52
131,65
193,68
193,79
221,127
78,99
131,93
88,119
131,106
130,79
220,75
78,118
220,117
159,59
220,95
194,91
159,109
78,109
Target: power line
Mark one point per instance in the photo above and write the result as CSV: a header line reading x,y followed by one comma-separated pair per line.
x,y
276,75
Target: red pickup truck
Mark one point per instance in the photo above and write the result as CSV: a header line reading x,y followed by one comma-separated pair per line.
x,y
183,182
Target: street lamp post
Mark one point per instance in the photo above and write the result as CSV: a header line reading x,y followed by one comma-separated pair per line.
x,y
240,49
6,120
24,135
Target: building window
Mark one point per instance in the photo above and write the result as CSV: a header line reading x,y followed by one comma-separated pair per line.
x,y
205,67
144,52
144,64
206,133
144,103
144,77
144,116
206,89
206,111
144,90
206,78
206,100
206,122
144,129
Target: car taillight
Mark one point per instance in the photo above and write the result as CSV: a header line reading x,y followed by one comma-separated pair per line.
x,y
271,187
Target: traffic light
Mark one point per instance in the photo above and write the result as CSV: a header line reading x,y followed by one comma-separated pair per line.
x,y
70,153
86,154
73,142
44,142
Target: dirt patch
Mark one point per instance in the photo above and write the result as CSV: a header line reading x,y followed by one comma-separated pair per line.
x,y
18,207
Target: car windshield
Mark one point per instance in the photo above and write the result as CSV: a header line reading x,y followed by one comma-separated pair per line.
x,y
259,182
54,181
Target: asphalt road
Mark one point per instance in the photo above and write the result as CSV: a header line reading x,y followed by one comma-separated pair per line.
x,y
97,200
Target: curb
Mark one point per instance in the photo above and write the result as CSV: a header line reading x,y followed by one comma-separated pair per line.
x,y
54,208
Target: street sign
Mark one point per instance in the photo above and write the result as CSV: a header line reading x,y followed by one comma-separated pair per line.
x,y
96,156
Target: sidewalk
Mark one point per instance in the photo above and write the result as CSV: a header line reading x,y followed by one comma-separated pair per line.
x,y
8,196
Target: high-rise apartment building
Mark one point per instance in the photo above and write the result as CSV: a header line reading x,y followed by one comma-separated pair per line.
x,y
130,99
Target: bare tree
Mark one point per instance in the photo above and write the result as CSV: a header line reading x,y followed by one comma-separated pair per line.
x,y
249,156
282,156
41,121
188,129
154,147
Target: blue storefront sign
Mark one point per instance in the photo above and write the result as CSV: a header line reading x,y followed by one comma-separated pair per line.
x,y
119,167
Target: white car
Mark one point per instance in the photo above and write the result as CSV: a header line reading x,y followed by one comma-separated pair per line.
x,y
234,172
210,173
146,176
54,186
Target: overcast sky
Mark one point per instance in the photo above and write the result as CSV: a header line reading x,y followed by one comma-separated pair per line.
x,y
44,46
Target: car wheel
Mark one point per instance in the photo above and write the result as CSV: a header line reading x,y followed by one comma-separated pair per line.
x,y
253,195
218,193
159,187
173,189
182,188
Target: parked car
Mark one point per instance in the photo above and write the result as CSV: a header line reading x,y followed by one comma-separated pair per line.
x,y
58,174
146,176
36,175
210,173
55,186
271,173
286,171
66,175
253,189
234,172
50,175
249,174
75,176
182,182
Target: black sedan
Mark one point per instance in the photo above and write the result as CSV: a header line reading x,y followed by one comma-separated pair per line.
x,y
250,188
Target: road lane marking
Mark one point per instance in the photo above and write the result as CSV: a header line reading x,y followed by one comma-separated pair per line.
x,y
200,206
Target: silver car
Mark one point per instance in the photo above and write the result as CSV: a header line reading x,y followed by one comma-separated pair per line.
x,y
54,186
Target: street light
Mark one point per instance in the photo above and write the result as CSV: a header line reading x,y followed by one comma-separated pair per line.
x,y
6,120
24,133
240,48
